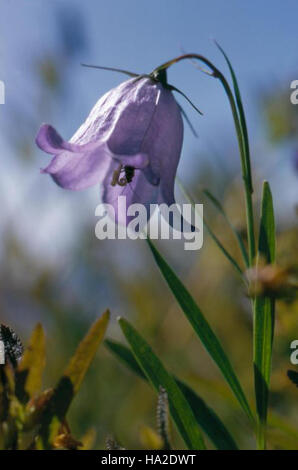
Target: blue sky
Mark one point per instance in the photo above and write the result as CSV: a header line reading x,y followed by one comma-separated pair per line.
x,y
260,38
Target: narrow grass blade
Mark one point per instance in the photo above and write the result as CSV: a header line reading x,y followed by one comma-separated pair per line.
x,y
173,88
213,426
125,355
188,121
30,369
264,318
81,360
202,328
70,382
206,418
238,237
212,234
241,117
242,135
111,69
266,247
158,376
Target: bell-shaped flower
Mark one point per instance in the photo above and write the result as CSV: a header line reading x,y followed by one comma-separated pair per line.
x,y
130,143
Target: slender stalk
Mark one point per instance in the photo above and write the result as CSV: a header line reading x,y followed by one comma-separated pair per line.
x,y
250,227
261,435
242,143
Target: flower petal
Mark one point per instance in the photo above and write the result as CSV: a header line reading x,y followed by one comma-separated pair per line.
x,y
79,170
140,160
151,177
51,142
163,141
106,113
133,117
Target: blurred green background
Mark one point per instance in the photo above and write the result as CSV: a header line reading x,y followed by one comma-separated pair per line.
x,y
52,268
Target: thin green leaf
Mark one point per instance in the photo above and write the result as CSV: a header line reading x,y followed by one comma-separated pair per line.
x,y
188,121
266,247
202,328
111,69
158,376
30,368
242,118
283,424
238,237
125,355
206,418
70,382
80,362
212,234
264,316
242,135
173,88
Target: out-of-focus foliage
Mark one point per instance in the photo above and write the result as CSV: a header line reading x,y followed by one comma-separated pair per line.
x,y
281,117
35,419
281,114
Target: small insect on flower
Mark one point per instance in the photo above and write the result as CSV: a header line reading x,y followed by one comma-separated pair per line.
x,y
130,143
129,173
123,181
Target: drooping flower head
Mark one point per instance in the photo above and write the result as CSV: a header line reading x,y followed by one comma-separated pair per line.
x,y
130,143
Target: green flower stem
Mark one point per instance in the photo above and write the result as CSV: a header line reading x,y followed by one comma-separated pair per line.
x,y
242,142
